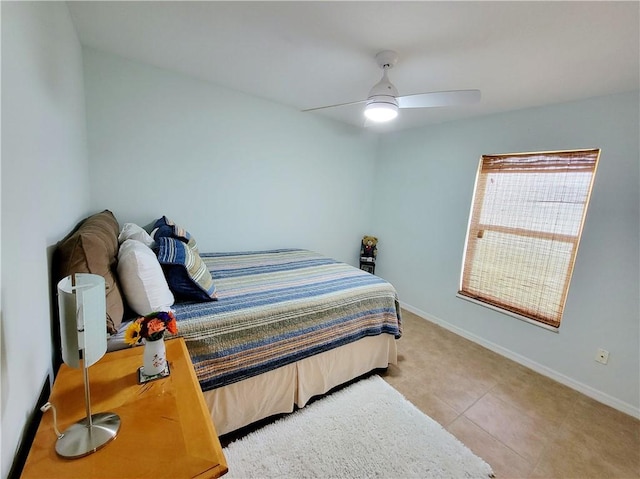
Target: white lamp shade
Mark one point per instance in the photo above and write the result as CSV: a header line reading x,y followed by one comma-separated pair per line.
x,y
82,309
381,111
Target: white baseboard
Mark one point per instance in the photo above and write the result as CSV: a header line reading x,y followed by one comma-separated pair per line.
x,y
539,368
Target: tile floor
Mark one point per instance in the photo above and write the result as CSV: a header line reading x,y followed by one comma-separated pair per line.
x,y
522,423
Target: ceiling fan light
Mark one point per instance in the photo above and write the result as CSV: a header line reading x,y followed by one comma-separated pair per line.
x,y
381,111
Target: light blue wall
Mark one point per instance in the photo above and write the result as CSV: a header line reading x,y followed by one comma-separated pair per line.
x,y
45,193
424,184
240,173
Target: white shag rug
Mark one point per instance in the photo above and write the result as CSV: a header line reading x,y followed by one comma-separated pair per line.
x,y
365,430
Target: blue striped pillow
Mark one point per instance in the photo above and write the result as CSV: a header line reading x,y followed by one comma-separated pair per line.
x,y
165,227
187,275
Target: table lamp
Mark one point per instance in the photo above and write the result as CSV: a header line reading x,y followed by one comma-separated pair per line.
x,y
82,308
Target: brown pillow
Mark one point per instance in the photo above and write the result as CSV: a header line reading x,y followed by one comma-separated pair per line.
x,y
93,248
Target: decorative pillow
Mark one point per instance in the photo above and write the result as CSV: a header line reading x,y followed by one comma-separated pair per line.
x,y
142,279
186,273
164,227
135,232
93,248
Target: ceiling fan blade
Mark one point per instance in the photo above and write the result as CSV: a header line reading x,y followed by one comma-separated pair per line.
x,y
439,98
333,106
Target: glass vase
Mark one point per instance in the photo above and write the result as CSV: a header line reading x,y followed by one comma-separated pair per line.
x,y
154,358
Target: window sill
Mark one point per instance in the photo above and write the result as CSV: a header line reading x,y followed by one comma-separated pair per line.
x,y
510,313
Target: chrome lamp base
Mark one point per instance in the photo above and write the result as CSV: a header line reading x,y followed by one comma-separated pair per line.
x,y
86,437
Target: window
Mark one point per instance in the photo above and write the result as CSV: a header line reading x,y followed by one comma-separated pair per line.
x,y
525,224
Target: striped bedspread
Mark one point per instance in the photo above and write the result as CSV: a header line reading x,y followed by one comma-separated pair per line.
x,y
277,307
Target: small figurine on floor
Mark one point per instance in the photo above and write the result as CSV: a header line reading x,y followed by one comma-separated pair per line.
x,y
368,253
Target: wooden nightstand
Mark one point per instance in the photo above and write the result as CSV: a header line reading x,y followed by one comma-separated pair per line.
x,y
166,429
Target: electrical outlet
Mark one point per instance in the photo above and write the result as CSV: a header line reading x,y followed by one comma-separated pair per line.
x,y
602,356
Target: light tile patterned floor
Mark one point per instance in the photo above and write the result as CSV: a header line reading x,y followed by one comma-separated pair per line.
x,y
522,423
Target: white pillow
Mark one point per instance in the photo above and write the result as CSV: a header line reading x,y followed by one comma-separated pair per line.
x,y
142,279
135,232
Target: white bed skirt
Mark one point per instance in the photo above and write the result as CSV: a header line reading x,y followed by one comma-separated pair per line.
x,y
278,391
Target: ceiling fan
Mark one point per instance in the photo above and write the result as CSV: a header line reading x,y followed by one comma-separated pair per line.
x,y
383,101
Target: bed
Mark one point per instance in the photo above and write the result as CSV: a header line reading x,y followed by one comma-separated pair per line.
x,y
285,325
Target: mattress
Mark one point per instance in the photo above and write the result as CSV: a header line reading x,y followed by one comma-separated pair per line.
x,y
278,307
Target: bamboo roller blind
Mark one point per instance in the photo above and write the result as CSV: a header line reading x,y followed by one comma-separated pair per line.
x,y
526,220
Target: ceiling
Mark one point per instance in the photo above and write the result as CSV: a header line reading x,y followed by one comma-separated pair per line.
x,y
310,54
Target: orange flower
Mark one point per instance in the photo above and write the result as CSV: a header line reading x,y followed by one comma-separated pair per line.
x,y
155,326
172,325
